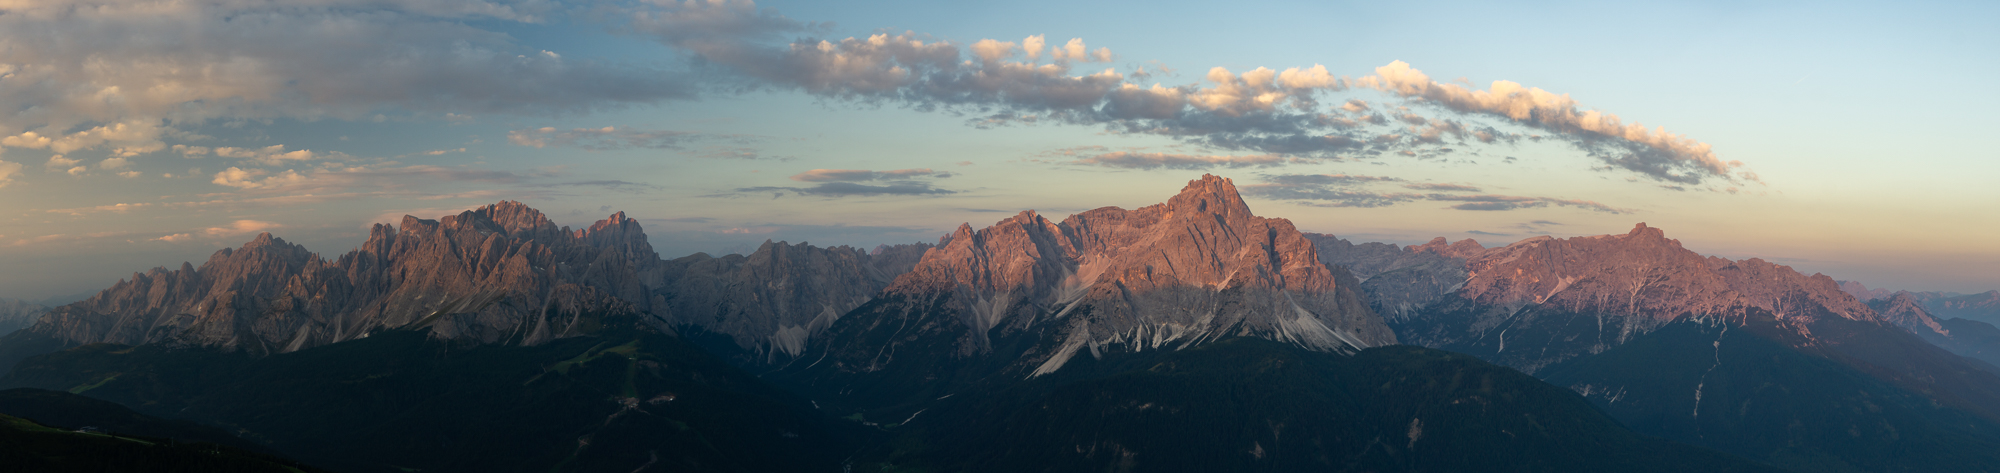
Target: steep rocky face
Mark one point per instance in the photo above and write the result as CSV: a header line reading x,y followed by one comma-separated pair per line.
x,y
1199,266
1544,300
501,272
777,298
1905,311
1401,281
16,314
1028,295
1964,337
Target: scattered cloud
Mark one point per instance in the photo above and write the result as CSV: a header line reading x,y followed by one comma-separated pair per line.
x,y
1346,190
1441,187
1333,190
1261,110
1537,227
240,227
1477,232
8,171
846,189
39,239
858,175
848,182
1652,153
1509,202
122,76
1189,162
115,208
58,162
611,138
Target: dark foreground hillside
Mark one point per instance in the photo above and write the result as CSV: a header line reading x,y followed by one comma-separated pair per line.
x,y
1249,404
27,446
398,401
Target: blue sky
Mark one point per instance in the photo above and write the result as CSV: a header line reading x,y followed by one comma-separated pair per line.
x,y
1862,124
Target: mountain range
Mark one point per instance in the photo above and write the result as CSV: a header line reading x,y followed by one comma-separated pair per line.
x,y
1191,335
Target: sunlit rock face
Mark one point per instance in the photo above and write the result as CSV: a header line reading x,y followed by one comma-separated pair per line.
x,y
498,274
1544,300
1037,293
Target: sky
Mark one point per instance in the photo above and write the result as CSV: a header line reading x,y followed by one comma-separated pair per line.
x,y
1843,138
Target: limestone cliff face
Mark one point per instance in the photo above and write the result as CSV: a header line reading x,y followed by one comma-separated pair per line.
x,y
1904,310
500,273
777,298
1543,300
1401,281
1198,267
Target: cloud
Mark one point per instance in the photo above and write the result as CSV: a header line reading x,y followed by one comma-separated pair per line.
x,y
1538,227
274,155
337,177
1441,187
1347,190
1653,153
58,162
39,239
848,182
1261,110
116,208
123,75
846,189
174,238
858,175
240,227
1509,202
1131,160
1332,190
1477,232
8,171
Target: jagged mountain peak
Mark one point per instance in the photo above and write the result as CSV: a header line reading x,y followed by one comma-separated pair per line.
x,y
1904,310
1210,194
1198,267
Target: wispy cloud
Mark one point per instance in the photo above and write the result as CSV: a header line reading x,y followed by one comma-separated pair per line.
x,y
1348,190
1441,187
1653,153
613,138
1261,110
859,175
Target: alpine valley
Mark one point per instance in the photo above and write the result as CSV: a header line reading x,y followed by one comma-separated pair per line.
x,y
1190,335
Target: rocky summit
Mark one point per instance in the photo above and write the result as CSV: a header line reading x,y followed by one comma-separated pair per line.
x,y
502,273
1197,268
1544,300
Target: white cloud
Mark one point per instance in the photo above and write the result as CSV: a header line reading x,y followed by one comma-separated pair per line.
x,y
1654,153
274,155
240,227
250,178
79,74
7,172
58,162
857,175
